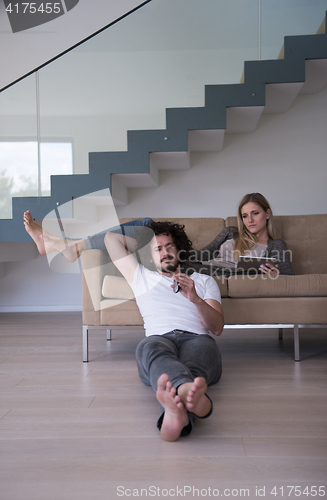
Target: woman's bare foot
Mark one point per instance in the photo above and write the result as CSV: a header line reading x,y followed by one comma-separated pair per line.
x,y
175,417
35,232
194,398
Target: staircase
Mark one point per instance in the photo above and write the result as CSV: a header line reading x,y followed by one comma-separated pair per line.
x,y
266,87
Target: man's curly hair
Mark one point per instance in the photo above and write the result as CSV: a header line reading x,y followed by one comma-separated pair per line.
x,y
176,231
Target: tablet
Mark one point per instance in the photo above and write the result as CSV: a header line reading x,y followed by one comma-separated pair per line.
x,y
250,263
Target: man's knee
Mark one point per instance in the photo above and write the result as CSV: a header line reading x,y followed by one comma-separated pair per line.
x,y
153,347
140,347
147,345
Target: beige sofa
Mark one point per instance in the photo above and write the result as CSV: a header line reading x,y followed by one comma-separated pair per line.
x,y
288,301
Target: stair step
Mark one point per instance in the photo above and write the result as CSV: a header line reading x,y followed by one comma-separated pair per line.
x,y
83,216
315,76
269,87
179,160
121,182
243,120
206,140
11,252
59,264
280,96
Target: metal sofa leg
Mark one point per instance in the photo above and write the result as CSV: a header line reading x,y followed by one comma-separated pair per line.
x,y
85,343
296,343
280,333
109,334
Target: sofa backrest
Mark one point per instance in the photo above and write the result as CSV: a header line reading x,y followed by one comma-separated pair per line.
x,y
200,231
306,238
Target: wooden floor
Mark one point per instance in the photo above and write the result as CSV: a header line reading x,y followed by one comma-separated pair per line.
x,y
71,430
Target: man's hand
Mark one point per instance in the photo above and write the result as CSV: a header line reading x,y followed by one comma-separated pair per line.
x,y
210,311
187,287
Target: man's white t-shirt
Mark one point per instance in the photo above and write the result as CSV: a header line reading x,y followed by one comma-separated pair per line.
x,y
162,309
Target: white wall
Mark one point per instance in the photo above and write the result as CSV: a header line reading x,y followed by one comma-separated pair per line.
x,y
24,51
32,286
285,159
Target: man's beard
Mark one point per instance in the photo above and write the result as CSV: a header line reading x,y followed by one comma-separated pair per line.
x,y
169,266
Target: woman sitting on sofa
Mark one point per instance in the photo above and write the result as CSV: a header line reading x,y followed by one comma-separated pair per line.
x,y
253,237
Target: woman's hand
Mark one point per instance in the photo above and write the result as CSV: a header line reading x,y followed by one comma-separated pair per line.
x,y
270,269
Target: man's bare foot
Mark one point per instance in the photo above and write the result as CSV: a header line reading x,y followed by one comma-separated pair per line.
x,y
175,417
194,398
35,232
70,249
48,243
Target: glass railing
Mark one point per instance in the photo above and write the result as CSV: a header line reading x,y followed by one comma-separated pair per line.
x,y
159,57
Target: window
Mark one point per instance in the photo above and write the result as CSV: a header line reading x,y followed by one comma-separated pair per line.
x,y
19,169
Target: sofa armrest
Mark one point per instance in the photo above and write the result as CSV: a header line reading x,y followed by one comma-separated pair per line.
x,y
94,267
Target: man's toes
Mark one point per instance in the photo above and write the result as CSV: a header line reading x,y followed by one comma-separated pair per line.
x,y
162,381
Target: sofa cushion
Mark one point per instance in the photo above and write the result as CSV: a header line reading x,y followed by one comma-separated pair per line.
x,y
112,303
222,283
116,287
306,285
275,310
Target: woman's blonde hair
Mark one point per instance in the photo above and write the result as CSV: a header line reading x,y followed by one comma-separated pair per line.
x,y
246,240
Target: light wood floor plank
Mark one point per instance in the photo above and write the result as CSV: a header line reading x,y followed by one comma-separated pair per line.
x,y
71,430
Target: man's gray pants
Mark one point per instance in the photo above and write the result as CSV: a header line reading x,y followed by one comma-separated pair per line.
x,y
183,356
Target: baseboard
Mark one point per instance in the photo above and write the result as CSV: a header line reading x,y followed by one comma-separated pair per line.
x,y
18,309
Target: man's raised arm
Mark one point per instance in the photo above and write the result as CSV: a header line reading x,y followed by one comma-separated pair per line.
x,y
120,248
